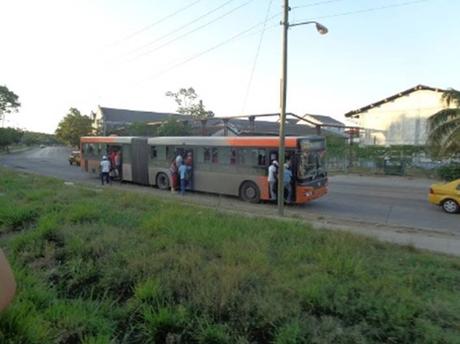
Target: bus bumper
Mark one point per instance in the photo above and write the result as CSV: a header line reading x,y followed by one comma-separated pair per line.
x,y
306,194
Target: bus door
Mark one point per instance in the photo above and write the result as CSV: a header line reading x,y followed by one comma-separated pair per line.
x,y
139,161
188,161
115,155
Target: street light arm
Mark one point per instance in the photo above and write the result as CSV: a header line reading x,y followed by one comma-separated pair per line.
x,y
319,27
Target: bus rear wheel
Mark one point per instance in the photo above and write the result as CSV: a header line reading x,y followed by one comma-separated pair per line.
x,y
250,192
163,181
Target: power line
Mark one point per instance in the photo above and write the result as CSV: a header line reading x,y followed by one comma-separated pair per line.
x,y
227,41
316,4
256,57
181,27
192,31
242,33
145,28
373,9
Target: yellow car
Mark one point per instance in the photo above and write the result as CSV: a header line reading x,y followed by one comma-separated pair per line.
x,y
446,195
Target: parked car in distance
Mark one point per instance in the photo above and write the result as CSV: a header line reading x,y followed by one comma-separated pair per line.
x,y
446,195
74,158
42,146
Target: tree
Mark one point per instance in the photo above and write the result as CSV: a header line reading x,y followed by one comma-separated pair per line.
x,y
73,126
137,129
33,138
189,104
8,101
9,136
444,126
173,127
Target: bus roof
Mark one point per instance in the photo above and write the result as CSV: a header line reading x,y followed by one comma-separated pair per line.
x,y
240,141
107,139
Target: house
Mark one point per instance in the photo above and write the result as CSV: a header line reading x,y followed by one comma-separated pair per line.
x,y
255,127
327,123
109,120
400,119
106,120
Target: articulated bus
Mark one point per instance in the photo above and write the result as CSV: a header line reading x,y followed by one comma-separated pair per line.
x,y
235,166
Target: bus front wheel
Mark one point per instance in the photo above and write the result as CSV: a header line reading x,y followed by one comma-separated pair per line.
x,y
163,181
250,192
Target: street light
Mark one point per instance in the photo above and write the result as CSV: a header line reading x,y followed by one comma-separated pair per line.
x,y
281,152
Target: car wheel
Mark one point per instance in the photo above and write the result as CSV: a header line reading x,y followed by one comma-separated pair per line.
x,y
450,206
163,181
250,192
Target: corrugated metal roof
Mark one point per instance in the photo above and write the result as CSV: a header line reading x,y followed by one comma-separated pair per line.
x,y
132,116
393,97
325,119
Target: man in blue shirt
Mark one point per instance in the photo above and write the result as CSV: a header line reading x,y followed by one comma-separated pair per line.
x,y
183,170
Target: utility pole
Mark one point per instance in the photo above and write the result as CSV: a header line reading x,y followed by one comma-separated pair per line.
x,y
283,93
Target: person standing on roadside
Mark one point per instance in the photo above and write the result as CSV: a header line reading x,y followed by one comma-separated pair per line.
x,y
7,282
272,171
105,170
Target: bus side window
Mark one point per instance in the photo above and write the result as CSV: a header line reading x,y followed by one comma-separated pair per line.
x,y
215,156
126,154
161,152
248,157
170,153
206,155
153,152
232,156
262,157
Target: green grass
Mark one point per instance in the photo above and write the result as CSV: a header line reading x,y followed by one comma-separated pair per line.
x,y
115,267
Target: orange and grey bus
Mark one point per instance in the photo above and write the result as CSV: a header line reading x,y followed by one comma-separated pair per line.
x,y
224,165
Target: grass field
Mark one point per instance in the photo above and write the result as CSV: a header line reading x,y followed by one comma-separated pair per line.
x,y
106,266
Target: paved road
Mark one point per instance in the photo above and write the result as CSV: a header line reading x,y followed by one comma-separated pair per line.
x,y
392,201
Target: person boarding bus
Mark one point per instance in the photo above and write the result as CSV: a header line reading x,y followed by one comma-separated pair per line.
x,y
105,170
272,170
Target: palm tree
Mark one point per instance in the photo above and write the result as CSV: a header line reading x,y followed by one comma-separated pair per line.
x,y
444,126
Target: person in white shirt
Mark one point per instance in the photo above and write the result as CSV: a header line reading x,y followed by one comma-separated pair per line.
x,y
272,171
105,170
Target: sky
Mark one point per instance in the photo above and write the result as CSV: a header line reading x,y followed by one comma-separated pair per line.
x,y
57,54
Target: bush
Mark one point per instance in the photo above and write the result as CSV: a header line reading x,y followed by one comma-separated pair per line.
x,y
450,172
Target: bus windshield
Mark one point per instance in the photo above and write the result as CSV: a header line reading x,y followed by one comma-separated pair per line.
x,y
311,160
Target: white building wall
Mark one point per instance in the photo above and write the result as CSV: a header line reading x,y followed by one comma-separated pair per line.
x,y
402,121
